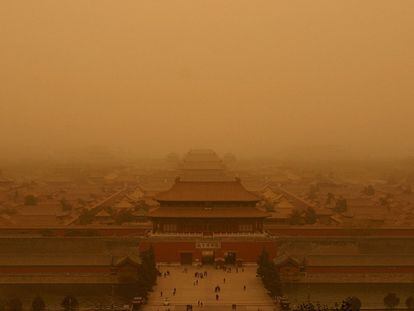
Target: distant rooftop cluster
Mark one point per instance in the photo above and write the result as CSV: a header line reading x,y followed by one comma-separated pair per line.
x,y
70,194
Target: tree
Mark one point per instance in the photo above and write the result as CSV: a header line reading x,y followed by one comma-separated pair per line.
x,y
15,304
309,306
86,217
268,206
384,201
329,198
70,303
38,304
407,189
148,267
310,216
409,302
391,300
341,205
368,190
269,274
271,280
124,216
30,199
296,218
351,304
313,191
144,280
262,261
66,206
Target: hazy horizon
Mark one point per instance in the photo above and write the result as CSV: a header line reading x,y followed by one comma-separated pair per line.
x,y
153,77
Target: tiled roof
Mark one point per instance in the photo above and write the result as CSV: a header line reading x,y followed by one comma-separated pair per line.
x,y
35,220
284,259
360,260
62,278
211,191
53,260
201,155
214,212
202,165
131,259
103,213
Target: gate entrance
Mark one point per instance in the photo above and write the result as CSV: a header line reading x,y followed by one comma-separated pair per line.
x,y
186,258
207,257
230,258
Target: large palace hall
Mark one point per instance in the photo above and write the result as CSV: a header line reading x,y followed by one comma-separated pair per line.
x,y
207,216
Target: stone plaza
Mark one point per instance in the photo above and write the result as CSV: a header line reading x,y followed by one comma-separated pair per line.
x,y
238,286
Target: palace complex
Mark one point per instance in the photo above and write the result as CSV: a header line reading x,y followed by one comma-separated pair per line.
x,y
208,217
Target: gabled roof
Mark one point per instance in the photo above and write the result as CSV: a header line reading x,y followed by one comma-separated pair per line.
x,y
5,220
124,204
130,259
210,191
201,155
51,259
103,213
284,260
137,194
360,260
202,165
214,212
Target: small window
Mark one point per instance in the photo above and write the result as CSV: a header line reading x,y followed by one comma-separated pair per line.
x,y
246,228
170,228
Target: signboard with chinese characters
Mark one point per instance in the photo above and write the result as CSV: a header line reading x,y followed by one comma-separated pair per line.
x,y
208,244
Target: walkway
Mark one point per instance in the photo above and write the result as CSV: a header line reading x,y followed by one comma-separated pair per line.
x,y
254,297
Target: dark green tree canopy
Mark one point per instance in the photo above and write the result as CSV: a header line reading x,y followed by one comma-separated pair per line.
x,y
70,303
38,304
391,300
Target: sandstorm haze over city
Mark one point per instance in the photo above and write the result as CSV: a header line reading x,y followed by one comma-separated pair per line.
x,y
152,77
208,155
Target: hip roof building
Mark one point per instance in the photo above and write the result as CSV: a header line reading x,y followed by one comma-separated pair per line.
x,y
207,216
207,207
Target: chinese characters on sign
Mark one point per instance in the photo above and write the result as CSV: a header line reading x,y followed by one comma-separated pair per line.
x,y
208,244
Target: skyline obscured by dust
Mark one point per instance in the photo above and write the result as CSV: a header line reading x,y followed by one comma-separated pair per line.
x,y
152,77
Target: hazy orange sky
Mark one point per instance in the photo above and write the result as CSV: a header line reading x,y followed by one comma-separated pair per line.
x,y
250,77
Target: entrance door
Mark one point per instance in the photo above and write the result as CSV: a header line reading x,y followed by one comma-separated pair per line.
x,y
186,258
207,257
230,258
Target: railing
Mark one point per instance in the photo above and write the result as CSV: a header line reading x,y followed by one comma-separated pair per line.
x,y
214,306
176,234
214,234
242,234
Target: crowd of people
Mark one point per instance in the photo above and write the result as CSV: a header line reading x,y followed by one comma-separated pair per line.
x,y
201,275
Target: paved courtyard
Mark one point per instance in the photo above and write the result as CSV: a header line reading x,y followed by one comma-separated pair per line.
x,y
232,290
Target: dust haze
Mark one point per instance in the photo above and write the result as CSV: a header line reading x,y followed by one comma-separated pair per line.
x,y
253,78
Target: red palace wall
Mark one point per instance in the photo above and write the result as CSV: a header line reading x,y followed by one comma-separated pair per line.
x,y
292,231
248,251
54,269
76,231
362,269
142,230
